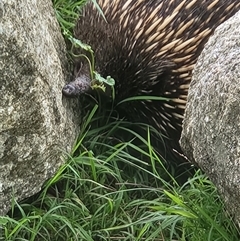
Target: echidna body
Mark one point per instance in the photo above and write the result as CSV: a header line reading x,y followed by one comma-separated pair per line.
x,y
149,47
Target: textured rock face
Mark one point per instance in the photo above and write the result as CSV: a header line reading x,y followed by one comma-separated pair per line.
x,y
211,130
36,125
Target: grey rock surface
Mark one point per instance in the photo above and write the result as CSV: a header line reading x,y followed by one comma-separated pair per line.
x,y
211,129
37,125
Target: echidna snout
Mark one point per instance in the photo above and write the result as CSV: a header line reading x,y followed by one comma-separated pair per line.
x,y
80,85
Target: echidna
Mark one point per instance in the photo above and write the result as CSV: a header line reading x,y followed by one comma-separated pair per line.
x,y
149,47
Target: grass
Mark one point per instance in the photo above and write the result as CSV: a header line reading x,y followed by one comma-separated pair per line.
x,y
116,190
105,193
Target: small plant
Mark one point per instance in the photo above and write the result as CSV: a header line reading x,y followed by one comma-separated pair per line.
x,y
97,81
67,13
